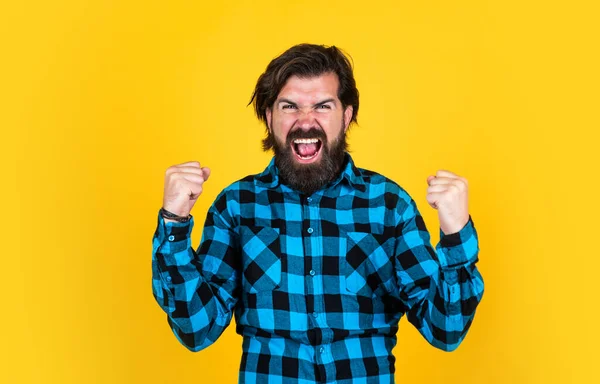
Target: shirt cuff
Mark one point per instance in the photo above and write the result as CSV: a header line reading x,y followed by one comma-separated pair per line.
x,y
174,236
457,249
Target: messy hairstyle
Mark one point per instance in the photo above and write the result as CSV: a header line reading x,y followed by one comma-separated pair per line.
x,y
304,61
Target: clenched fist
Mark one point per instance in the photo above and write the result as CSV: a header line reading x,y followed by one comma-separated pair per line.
x,y
448,193
183,185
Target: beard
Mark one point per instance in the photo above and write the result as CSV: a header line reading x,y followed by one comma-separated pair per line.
x,y
309,178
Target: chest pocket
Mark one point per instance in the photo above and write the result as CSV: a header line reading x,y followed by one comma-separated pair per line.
x,y
261,255
368,265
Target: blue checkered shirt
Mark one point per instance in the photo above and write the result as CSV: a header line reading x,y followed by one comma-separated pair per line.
x,y
317,283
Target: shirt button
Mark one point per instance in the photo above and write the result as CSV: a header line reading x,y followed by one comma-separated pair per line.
x,y
322,350
169,279
309,230
315,314
309,199
312,272
171,238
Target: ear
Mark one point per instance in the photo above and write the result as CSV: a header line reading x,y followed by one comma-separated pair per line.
x,y
347,117
268,114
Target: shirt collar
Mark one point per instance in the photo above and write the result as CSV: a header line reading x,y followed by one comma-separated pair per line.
x,y
269,178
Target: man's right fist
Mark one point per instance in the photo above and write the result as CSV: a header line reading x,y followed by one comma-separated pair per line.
x,y
183,185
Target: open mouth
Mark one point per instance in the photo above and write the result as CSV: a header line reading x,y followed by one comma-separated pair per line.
x,y
306,149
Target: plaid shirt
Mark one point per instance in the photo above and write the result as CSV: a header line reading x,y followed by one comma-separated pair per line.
x,y
318,283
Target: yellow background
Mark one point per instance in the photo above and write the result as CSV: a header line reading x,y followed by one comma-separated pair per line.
x,y
100,97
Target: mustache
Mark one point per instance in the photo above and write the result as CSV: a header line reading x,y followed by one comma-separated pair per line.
x,y
307,134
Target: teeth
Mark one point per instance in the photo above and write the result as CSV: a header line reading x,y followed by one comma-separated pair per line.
x,y
306,141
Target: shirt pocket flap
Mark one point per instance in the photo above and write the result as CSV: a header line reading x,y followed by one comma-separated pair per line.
x,y
368,262
261,258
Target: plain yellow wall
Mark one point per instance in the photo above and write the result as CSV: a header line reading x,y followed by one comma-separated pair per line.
x,y
98,98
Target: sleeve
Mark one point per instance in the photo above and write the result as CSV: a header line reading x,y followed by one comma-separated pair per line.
x,y
198,290
439,288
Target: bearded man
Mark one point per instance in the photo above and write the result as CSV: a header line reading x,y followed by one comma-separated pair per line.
x,y
317,258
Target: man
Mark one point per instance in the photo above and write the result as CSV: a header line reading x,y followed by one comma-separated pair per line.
x,y
319,259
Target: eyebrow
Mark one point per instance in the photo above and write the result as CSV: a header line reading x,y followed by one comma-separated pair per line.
x,y
284,100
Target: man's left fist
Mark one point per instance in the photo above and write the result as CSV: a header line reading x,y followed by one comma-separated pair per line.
x,y
448,193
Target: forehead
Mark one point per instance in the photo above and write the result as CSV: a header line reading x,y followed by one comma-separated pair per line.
x,y
310,89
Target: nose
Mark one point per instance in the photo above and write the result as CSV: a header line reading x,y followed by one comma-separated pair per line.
x,y
306,119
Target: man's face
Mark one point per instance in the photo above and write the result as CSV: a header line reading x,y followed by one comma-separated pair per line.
x,y
309,126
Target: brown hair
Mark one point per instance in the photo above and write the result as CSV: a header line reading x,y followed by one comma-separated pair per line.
x,y
304,60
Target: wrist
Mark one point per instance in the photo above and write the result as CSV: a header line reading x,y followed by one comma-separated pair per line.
x,y
450,229
172,217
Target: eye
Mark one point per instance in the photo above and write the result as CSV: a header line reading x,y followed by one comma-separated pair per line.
x,y
324,106
288,106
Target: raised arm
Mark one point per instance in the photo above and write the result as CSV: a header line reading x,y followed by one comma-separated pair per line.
x,y
440,288
198,290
